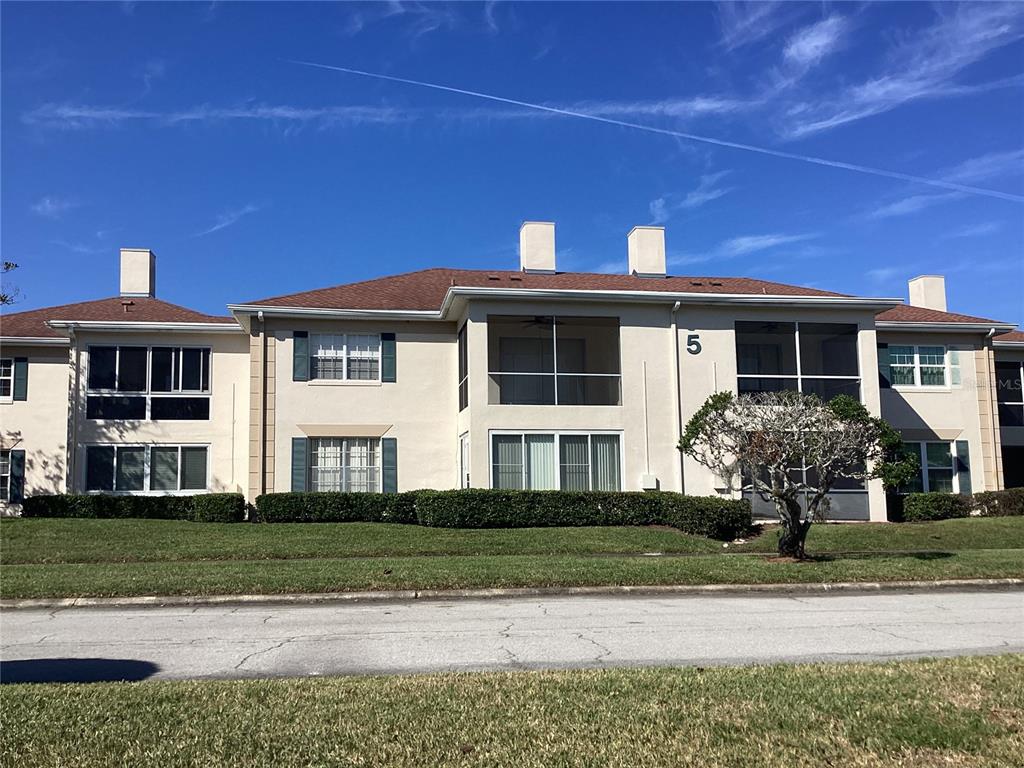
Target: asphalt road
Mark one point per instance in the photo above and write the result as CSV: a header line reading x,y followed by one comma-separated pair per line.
x,y
557,632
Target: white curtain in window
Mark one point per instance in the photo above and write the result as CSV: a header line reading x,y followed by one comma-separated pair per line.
x,y
604,451
540,463
574,462
508,462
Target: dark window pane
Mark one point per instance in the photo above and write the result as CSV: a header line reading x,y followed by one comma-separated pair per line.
x,y
828,349
163,369
826,389
206,371
588,390
574,462
131,469
520,344
102,367
587,344
131,369
522,390
1011,415
193,469
115,407
179,408
99,468
463,395
766,348
163,469
191,370
751,385
1008,383
507,458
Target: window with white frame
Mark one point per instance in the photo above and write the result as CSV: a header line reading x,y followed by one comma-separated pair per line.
x,y
813,358
5,475
6,379
917,366
544,461
349,464
146,468
1010,393
344,356
939,468
157,383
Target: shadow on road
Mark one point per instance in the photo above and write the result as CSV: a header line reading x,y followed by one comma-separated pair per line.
x,y
75,670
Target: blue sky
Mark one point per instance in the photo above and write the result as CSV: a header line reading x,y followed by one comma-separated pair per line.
x,y
185,128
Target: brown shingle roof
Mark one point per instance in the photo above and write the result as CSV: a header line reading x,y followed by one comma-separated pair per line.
x,y
908,314
141,310
1014,336
426,289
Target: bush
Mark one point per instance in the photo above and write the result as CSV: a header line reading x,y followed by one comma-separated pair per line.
x,y
218,508
331,507
1000,503
210,507
918,507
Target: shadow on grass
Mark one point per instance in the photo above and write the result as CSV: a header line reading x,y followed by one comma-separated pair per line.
x,y
914,555
75,670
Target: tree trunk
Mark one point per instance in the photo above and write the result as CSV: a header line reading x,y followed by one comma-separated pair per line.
x,y
794,530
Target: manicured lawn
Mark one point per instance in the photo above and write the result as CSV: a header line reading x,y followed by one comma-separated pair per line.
x,y
471,571
953,712
944,535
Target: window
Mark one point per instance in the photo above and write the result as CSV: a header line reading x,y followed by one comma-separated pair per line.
x,y
463,370
5,475
534,360
7,378
813,358
912,366
349,464
148,383
940,468
1010,394
142,468
545,461
340,356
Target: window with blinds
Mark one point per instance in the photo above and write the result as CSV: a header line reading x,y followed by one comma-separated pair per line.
x,y
545,461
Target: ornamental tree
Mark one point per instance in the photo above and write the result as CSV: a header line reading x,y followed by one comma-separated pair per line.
x,y
791,448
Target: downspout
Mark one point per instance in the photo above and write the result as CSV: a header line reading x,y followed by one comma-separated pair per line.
x,y
263,403
676,401
76,397
993,418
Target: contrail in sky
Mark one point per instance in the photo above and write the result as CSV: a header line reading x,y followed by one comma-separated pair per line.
x,y
689,136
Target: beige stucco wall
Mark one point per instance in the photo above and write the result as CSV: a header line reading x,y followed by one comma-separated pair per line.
x,y
39,425
419,408
227,430
950,412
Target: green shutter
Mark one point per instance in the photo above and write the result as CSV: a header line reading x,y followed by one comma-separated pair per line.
x,y
387,357
884,375
963,467
389,464
21,378
300,463
17,487
300,356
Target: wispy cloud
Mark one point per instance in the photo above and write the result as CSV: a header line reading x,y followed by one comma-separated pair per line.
x,y
743,23
976,230
925,65
152,70
912,204
228,218
53,207
885,274
740,246
811,44
82,116
80,248
707,190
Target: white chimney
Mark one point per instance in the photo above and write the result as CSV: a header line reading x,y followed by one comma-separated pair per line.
x,y
646,246
537,246
138,272
928,291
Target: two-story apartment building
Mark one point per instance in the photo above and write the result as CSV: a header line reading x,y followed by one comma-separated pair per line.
x,y
441,378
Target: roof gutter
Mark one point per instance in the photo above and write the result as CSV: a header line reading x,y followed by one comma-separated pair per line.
x,y
36,341
887,325
106,325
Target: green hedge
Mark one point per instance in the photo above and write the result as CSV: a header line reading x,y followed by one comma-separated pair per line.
x,y
207,507
479,508
1000,503
918,507
331,507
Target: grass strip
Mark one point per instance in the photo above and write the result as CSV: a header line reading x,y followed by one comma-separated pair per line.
x,y
962,712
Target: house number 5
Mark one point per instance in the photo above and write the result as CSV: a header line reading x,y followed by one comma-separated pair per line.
x,y
693,344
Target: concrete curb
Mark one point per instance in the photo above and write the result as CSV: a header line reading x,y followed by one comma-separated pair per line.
x,y
477,594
